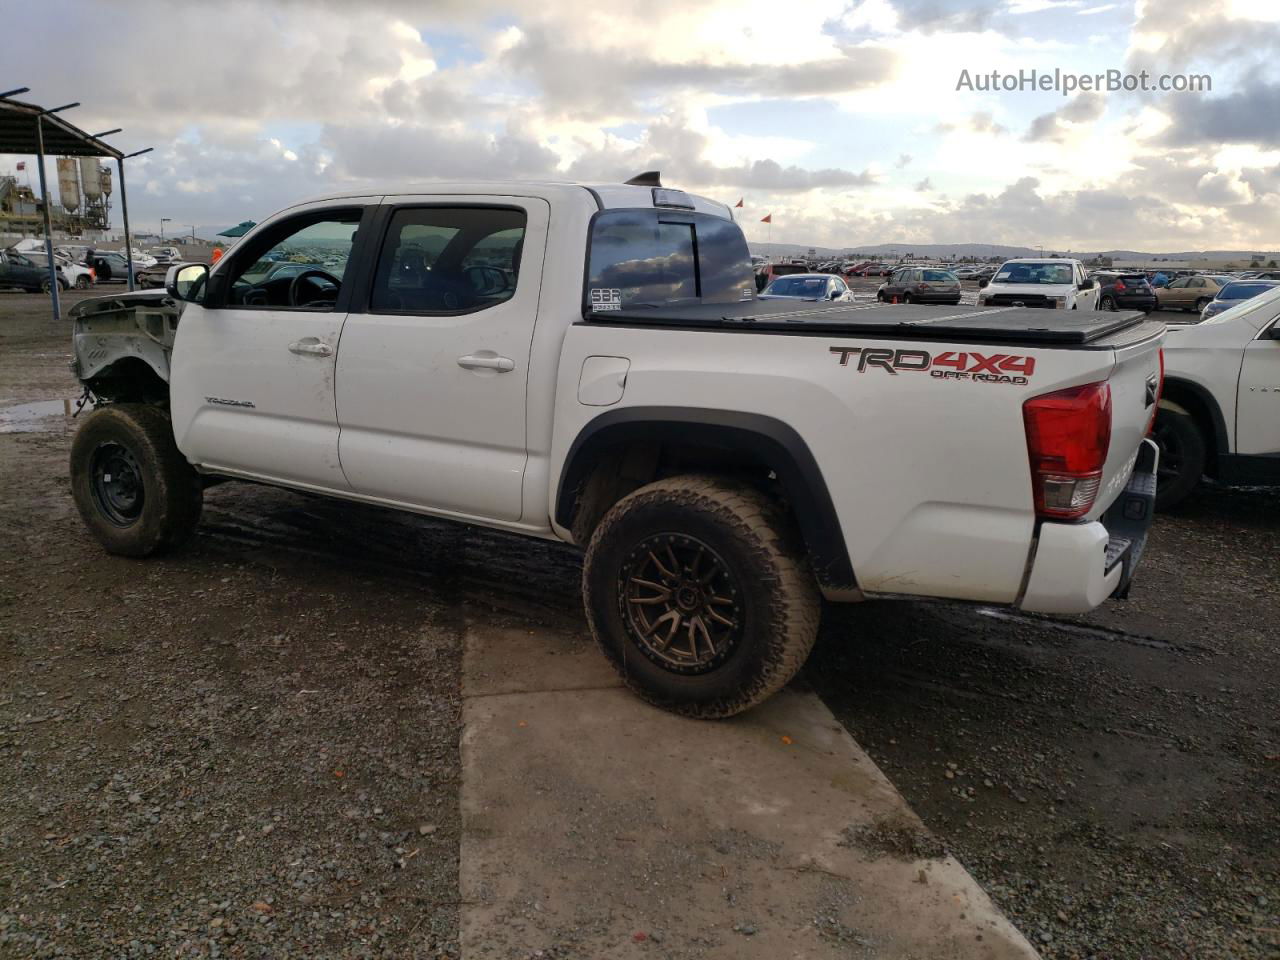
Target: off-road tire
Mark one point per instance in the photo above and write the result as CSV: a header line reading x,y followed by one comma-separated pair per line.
x,y
172,494
1183,454
763,552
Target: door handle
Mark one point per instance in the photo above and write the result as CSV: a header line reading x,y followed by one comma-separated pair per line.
x,y
501,364
312,347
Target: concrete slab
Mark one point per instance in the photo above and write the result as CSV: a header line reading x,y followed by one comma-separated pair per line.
x,y
596,826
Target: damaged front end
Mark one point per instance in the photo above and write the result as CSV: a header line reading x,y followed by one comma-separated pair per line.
x,y
122,345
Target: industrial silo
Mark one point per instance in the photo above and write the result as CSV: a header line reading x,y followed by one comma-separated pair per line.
x,y
91,177
68,184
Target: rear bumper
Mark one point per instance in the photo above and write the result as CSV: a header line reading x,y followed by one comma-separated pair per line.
x,y
1146,304
1079,565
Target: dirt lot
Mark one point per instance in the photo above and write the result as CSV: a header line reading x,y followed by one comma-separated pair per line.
x,y
250,749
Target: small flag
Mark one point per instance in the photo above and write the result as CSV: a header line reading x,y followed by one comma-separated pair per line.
x,y
739,203
22,165
768,219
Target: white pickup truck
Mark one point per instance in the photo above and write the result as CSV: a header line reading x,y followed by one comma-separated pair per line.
x,y
1060,284
591,364
1220,411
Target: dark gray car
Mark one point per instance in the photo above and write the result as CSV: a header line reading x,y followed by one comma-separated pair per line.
x,y
1236,292
920,285
17,270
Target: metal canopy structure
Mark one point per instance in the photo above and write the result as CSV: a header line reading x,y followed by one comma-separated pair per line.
x,y
28,129
20,132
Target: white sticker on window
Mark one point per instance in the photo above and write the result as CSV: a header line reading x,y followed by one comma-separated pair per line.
x,y
606,298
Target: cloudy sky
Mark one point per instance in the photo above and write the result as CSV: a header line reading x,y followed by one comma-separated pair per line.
x,y
842,118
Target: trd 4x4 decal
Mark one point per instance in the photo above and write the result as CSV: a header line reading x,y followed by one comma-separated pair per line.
x,y
950,365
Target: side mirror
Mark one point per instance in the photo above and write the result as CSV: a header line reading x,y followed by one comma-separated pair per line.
x,y
1087,285
186,281
983,282
835,295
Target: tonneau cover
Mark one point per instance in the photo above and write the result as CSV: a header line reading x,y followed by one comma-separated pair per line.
x,y
908,321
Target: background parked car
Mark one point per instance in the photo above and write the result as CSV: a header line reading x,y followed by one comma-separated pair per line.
x,y
166,255
808,286
1189,293
770,271
110,267
1236,292
1125,291
920,285
18,270
71,274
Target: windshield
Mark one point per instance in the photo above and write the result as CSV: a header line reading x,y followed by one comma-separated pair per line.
x,y
657,257
1244,290
1028,272
814,287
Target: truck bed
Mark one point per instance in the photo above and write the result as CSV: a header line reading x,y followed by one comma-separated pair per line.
x,y
1017,325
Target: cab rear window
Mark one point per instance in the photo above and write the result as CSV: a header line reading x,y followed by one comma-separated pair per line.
x,y
640,258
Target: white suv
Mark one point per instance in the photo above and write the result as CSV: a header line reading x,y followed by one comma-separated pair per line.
x,y
1054,284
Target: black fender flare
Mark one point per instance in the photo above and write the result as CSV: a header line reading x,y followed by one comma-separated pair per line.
x,y
766,439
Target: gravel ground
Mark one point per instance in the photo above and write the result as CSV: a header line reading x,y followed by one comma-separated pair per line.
x,y
249,749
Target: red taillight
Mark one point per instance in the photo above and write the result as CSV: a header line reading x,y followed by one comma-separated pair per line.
x,y
1120,287
1068,433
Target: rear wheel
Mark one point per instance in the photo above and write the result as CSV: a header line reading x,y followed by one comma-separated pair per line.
x,y
907,298
132,486
1182,457
699,594
1107,303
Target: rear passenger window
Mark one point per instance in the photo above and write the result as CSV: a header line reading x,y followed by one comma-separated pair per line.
x,y
448,260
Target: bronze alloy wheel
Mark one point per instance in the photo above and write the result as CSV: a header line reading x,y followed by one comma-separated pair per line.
x,y
680,603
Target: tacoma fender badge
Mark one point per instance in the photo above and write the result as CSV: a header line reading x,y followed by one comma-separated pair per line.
x,y
219,401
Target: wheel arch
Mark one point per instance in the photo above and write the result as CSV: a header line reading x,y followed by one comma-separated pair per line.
x,y
1186,396
621,450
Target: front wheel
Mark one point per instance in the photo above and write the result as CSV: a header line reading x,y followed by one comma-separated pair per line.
x,y
135,491
1182,457
82,282
698,593
1201,304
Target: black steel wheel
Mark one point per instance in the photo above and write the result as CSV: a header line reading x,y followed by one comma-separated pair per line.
x,y
698,592
115,480
1182,457
135,491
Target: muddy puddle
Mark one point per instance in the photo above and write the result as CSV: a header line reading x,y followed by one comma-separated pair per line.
x,y
34,417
